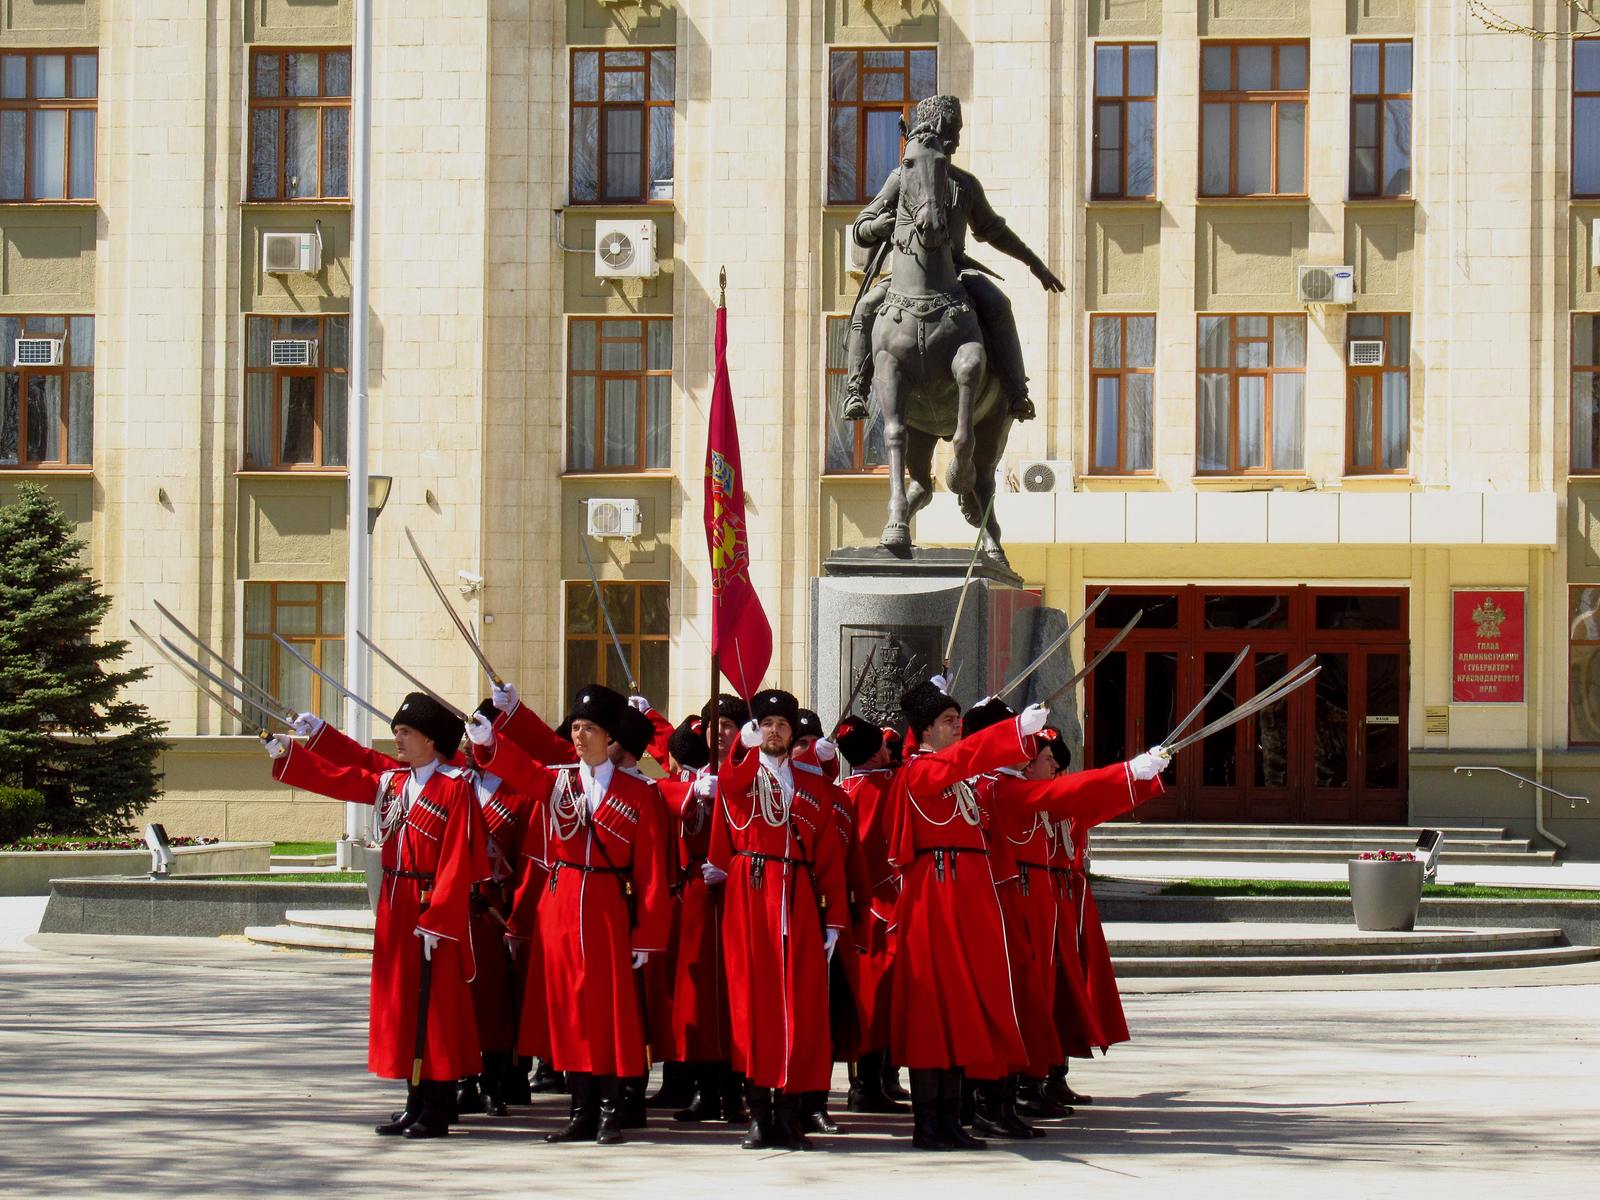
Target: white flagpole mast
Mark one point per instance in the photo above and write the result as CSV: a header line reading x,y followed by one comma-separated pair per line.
x,y
358,589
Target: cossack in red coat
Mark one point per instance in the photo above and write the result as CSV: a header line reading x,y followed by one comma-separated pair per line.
x,y
433,852
784,881
587,924
869,793
700,981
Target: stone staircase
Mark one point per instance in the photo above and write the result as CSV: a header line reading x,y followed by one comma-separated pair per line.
x,y
339,931
1146,951
1126,841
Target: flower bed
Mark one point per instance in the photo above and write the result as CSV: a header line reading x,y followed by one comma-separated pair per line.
x,y
37,845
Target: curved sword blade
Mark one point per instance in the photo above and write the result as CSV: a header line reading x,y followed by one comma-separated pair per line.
x,y
233,712
330,680
412,679
1095,661
268,700
217,681
861,679
1052,647
1249,708
460,625
1207,698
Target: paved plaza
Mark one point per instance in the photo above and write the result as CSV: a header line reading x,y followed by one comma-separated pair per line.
x,y
212,1068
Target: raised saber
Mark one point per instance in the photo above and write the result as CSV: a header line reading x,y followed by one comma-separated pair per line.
x,y
330,680
1206,699
861,680
972,563
1249,708
412,679
1095,661
238,716
217,681
271,702
599,598
472,644
1052,647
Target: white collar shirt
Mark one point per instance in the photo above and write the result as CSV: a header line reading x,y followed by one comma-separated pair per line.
x,y
782,771
596,782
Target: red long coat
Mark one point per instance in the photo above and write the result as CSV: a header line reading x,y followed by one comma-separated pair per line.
x,y
441,837
869,793
700,1025
783,883
844,969
587,931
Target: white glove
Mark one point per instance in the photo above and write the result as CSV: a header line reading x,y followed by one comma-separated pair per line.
x,y
713,875
705,786
640,703
429,942
276,746
750,735
826,750
940,682
1149,764
479,730
1032,719
504,696
830,938
640,957
307,724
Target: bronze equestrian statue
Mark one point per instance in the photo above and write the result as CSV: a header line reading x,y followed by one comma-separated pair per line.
x,y
945,360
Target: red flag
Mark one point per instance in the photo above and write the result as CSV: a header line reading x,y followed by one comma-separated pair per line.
x,y
741,638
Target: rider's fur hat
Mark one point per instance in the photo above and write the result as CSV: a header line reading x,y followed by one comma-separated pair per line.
x,y
937,113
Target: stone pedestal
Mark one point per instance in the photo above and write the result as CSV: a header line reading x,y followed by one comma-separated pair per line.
x,y
867,598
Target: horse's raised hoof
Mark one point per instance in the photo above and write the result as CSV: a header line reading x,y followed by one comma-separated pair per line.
x,y
917,499
961,476
896,539
967,502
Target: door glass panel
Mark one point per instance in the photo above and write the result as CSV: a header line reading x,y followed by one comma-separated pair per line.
x,y
1109,696
1332,727
1382,765
1271,724
1358,612
1160,700
1219,752
1160,611
1247,611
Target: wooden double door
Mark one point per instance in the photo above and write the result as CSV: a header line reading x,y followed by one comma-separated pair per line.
x,y
1333,753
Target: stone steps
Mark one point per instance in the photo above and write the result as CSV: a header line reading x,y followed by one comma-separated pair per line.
x,y
1125,841
310,937
303,860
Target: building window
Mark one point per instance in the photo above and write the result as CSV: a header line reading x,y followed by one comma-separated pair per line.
x,y
1380,119
299,125
1122,386
869,92
1583,666
1252,394
295,392
1253,119
619,394
1586,117
309,616
47,125
854,447
1124,121
1378,358
641,614
1585,392
47,405
622,125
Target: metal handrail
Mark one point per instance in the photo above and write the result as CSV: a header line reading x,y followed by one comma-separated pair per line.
x,y
1538,813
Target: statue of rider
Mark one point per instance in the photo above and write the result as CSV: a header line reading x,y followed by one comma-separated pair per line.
x,y
970,211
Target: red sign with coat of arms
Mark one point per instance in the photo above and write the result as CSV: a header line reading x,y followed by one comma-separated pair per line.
x,y
1487,647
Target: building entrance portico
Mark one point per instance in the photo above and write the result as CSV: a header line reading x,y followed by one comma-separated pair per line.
x,y
1333,753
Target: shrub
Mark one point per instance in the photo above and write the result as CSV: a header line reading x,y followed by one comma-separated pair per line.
x,y
21,810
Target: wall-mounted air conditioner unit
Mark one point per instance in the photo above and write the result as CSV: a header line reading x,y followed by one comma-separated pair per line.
x,y
37,352
614,518
288,253
625,250
294,352
1045,475
1366,352
1326,285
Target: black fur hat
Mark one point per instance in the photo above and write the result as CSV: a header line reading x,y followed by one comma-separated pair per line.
x,y
857,740
922,705
602,706
775,702
981,716
1053,741
636,732
432,720
688,744
810,724
896,741
728,707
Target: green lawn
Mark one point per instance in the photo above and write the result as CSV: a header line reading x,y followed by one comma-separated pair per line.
x,y
293,877
302,847
1298,887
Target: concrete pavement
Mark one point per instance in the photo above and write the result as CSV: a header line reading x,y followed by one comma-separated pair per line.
x,y
137,1066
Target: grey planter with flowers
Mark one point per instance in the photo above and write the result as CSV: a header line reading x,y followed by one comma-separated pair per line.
x,y
1386,891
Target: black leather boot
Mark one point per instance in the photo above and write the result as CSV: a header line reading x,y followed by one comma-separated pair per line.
x,y
1055,1088
677,1086
546,1081
631,1102
608,1127
1009,1117
951,1087
762,1135
514,1087
497,1071
469,1096
438,1098
399,1122
786,1119
891,1081
1032,1102
814,1116
867,1094
734,1109
706,1104
927,1129
585,1116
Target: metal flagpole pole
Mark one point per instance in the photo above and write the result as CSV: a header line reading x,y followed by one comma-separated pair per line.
x,y
358,586
714,725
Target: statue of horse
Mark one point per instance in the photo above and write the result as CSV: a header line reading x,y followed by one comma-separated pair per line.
x,y
930,369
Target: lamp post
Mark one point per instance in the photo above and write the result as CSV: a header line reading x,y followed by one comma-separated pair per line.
x,y
358,586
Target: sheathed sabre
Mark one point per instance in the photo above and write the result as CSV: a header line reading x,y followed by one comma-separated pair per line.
x,y
330,680
461,626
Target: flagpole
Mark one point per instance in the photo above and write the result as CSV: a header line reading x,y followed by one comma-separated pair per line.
x,y
714,730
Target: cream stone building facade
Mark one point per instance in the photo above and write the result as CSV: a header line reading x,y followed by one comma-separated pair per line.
x,y
1176,161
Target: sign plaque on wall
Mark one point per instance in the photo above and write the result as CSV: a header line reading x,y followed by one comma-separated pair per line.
x,y
1487,646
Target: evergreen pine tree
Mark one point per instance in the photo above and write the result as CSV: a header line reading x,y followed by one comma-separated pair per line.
x,y
66,730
